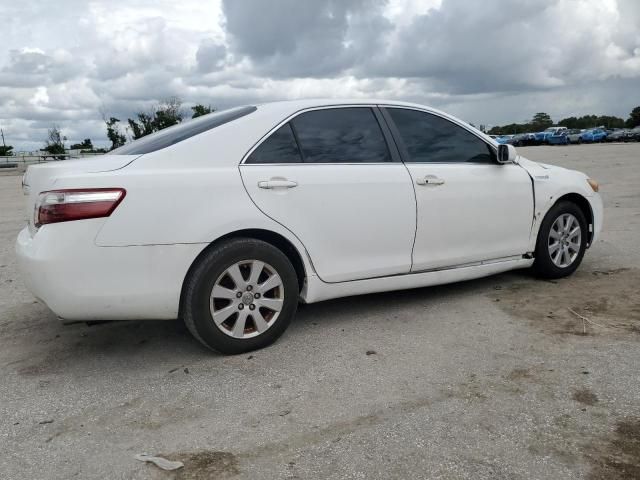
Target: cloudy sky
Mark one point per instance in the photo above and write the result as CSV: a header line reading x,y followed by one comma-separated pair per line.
x,y
488,62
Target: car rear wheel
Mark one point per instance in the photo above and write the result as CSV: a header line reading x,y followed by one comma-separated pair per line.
x,y
241,296
562,241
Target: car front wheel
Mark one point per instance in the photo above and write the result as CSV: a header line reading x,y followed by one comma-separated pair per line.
x,y
562,241
241,296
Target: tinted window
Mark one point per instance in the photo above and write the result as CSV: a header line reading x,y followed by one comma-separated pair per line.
x,y
280,147
341,135
177,133
429,138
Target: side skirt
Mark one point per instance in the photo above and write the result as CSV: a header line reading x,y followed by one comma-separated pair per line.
x,y
316,290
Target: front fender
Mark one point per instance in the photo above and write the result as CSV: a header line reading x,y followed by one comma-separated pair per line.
x,y
550,184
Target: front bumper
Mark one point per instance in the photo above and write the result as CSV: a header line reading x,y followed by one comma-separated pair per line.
x,y
595,201
80,281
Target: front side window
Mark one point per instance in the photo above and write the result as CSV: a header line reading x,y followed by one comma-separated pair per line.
x,y
341,135
432,139
280,147
182,131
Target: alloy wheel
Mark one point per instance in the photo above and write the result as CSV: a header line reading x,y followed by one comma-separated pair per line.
x,y
247,299
565,240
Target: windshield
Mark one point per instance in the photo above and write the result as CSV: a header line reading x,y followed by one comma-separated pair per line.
x,y
182,131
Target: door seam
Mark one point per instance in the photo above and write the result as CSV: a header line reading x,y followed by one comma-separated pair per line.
x,y
383,114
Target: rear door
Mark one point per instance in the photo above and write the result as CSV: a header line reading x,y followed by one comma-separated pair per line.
x,y
470,208
330,177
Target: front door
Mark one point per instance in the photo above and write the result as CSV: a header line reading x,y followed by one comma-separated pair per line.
x,y
470,208
329,177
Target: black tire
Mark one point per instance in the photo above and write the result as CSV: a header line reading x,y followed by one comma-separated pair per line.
x,y
199,284
543,266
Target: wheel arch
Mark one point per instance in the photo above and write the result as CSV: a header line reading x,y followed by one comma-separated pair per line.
x,y
584,206
268,236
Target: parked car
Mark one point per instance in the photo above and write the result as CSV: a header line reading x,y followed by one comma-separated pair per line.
x,y
230,219
504,139
617,135
633,135
593,136
543,137
558,138
522,140
573,135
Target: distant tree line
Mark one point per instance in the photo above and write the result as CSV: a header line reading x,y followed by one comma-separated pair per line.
x,y
162,115
541,121
170,112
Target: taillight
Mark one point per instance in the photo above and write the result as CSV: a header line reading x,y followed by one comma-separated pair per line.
x,y
76,204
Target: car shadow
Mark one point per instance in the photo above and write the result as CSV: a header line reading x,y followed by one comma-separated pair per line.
x,y
343,309
46,346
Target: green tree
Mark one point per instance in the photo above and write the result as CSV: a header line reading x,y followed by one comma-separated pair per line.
x,y
591,121
511,129
141,127
85,145
570,122
200,110
5,150
634,118
163,115
55,141
116,138
541,120
610,121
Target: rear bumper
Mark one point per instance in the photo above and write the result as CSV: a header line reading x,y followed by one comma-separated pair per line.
x,y
79,281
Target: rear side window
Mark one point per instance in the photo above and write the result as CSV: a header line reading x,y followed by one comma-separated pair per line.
x,y
429,138
177,133
340,135
280,147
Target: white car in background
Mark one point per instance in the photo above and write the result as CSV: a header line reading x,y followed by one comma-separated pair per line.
x,y
228,220
574,135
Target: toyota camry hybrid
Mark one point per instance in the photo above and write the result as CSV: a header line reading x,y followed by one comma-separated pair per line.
x,y
229,220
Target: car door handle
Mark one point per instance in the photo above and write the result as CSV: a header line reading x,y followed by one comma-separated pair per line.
x,y
430,180
277,183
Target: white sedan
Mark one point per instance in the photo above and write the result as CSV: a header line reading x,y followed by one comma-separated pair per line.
x,y
228,220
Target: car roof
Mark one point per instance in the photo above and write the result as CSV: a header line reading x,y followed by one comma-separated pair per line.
x,y
292,106
325,102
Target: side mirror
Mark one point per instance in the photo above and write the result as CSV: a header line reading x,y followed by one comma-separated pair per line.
x,y
506,153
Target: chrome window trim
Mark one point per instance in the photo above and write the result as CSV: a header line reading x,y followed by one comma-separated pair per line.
x,y
373,106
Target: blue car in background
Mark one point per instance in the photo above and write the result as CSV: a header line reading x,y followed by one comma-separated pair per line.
x,y
558,138
503,139
593,136
543,137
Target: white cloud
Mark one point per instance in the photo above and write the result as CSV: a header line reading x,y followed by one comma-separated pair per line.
x,y
489,62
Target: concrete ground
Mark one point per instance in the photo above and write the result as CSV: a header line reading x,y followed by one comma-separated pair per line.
x,y
494,378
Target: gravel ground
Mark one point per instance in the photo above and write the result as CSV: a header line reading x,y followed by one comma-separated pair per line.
x,y
493,378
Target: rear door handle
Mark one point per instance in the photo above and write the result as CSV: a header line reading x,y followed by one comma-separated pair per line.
x,y
430,180
277,183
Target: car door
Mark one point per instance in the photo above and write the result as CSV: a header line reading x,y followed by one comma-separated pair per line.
x,y
330,177
470,208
